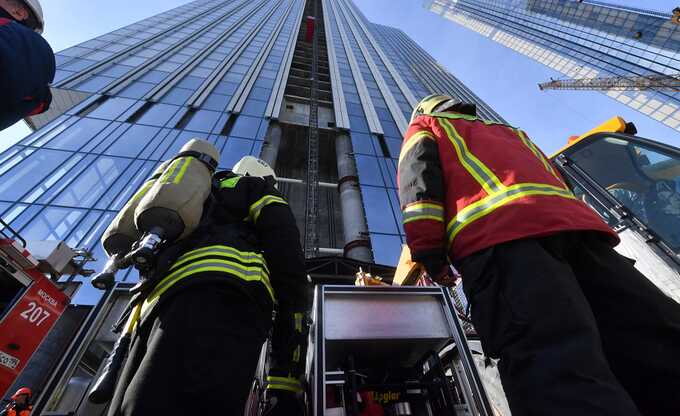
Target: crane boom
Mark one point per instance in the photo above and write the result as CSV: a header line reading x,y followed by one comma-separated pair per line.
x,y
616,83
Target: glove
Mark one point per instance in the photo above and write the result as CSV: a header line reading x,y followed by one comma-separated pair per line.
x,y
283,403
445,277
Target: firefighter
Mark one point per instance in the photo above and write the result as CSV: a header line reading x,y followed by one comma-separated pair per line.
x,y
19,404
204,322
27,62
577,328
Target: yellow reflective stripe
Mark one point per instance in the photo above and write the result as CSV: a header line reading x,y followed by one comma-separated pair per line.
x,y
284,383
256,208
229,182
143,190
423,211
170,171
249,274
482,174
221,251
492,202
296,355
528,143
183,170
298,321
413,140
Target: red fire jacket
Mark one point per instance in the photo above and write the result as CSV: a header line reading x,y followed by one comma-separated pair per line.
x,y
467,184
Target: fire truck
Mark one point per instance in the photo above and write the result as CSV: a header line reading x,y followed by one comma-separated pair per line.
x,y
31,302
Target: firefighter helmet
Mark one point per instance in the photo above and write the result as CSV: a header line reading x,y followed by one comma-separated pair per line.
x,y
437,103
22,391
252,166
36,20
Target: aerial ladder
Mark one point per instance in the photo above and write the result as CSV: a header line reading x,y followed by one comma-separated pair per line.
x,y
664,82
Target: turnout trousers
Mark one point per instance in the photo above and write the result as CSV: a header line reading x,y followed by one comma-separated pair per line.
x,y
578,330
197,356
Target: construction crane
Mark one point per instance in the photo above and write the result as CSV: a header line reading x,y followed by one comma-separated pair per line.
x,y
616,83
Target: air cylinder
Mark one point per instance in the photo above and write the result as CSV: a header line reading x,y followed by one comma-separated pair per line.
x,y
122,233
173,207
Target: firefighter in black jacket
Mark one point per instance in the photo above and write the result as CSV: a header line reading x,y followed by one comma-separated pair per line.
x,y
27,63
204,323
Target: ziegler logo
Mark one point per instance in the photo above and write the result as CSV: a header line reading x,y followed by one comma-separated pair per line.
x,y
8,361
384,397
47,298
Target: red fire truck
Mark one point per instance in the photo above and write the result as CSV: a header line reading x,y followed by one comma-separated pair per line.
x,y
30,301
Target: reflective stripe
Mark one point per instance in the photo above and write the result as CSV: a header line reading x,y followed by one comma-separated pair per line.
x,y
284,383
423,211
221,251
296,355
487,205
169,173
144,189
413,140
256,208
528,143
247,273
183,170
474,166
298,321
230,182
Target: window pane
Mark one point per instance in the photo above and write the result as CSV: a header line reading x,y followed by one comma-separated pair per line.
x,y
378,210
78,135
203,121
369,171
158,114
112,108
133,141
93,183
233,151
30,173
52,224
246,127
386,249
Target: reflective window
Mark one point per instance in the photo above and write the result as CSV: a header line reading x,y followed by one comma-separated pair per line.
x,y
78,134
361,143
28,174
112,108
177,96
203,121
52,224
133,141
254,108
246,127
233,151
378,210
369,171
386,248
137,90
158,115
90,185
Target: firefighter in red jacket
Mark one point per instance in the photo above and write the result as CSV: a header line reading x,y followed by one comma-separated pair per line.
x,y
27,63
20,404
577,328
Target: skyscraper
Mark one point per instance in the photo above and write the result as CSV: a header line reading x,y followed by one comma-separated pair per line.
x,y
240,74
583,39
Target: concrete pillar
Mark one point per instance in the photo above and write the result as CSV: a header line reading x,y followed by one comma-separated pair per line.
x,y
358,246
271,145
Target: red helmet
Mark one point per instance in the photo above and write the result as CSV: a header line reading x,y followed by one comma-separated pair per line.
x,y
23,390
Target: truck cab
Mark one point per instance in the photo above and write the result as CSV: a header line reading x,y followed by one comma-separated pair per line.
x,y
632,182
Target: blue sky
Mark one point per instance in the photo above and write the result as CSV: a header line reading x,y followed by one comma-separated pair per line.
x,y
504,79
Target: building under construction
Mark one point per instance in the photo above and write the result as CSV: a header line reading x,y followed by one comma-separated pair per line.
x,y
312,87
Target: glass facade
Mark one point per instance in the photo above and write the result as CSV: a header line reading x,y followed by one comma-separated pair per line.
x,y
583,39
215,70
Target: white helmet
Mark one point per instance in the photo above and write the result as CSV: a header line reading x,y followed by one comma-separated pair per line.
x,y
252,166
38,19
